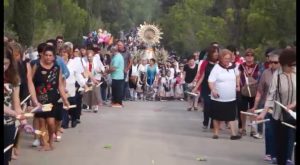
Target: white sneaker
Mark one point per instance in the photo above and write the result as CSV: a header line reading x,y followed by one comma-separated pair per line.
x,y
36,143
257,136
58,138
95,109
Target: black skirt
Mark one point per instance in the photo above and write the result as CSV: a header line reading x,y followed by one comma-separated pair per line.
x,y
56,112
132,85
223,111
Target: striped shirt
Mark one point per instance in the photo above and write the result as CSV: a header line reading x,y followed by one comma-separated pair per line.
x,y
287,91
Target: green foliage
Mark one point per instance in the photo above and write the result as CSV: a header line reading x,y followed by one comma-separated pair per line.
x,y
188,25
23,20
48,29
190,28
9,32
95,24
256,24
74,19
6,3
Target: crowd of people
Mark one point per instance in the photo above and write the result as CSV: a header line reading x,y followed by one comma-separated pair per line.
x,y
62,79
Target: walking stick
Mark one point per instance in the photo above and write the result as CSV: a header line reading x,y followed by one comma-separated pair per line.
x,y
292,113
258,122
25,99
248,113
260,110
8,147
289,125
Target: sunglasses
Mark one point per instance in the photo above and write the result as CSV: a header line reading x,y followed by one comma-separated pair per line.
x,y
249,55
273,62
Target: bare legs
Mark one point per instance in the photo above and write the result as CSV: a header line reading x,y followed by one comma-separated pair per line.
x,y
35,126
192,101
58,128
217,125
15,150
50,124
232,125
196,101
51,129
243,119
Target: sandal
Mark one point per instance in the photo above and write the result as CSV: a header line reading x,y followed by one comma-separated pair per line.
x,y
243,132
215,137
61,130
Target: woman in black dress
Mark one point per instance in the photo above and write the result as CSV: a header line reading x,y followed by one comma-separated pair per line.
x,y
47,80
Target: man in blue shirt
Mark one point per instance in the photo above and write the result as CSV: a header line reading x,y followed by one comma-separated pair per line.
x,y
116,69
127,65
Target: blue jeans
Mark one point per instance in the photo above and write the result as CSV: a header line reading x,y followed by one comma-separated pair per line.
x,y
283,139
291,141
269,141
103,93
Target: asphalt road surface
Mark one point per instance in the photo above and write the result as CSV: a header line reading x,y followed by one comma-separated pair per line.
x,y
143,133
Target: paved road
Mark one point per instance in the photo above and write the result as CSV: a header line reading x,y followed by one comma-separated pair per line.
x,y
143,133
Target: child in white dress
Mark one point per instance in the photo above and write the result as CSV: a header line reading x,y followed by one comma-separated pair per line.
x,y
169,86
179,86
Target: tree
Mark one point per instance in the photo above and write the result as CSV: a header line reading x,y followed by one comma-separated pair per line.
x,y
190,28
74,19
23,15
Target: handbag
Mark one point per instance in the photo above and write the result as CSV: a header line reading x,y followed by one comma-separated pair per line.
x,y
250,87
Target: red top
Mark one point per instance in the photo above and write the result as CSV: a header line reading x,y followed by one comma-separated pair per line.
x,y
239,60
90,67
266,65
254,72
200,72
